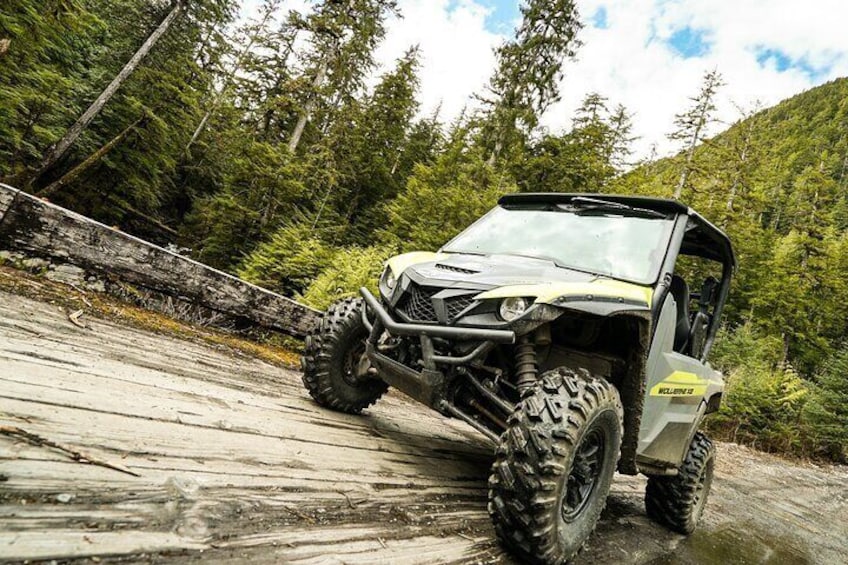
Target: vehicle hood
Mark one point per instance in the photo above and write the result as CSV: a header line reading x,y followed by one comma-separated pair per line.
x,y
501,276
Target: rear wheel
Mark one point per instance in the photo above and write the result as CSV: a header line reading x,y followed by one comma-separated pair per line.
x,y
554,466
334,364
678,502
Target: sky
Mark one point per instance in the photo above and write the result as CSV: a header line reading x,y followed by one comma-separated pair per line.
x,y
649,55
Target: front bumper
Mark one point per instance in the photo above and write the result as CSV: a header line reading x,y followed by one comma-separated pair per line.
x,y
428,385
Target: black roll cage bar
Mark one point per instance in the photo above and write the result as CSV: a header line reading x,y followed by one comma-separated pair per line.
x,y
686,223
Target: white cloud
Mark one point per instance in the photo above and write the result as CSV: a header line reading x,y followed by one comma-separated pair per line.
x,y
630,61
456,50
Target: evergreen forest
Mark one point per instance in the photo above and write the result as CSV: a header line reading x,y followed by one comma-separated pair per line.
x,y
275,148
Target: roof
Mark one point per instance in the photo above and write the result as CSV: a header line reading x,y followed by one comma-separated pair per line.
x,y
705,240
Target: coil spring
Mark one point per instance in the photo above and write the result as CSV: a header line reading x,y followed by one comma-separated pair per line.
x,y
525,364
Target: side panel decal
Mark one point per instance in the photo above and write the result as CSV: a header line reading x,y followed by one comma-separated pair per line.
x,y
680,383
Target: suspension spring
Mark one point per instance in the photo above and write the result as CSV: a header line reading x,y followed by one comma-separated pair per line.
x,y
525,364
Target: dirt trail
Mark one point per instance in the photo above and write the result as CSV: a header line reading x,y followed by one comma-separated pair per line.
x,y
236,462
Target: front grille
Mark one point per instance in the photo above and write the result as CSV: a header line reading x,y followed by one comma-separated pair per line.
x,y
417,303
456,305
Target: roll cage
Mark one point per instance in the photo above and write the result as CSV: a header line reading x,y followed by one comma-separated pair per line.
x,y
692,235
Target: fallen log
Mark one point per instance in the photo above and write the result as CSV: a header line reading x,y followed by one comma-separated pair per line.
x,y
42,229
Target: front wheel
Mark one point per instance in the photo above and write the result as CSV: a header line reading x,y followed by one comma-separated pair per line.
x,y
678,502
334,367
554,466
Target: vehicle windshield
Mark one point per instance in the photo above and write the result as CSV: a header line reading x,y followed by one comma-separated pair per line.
x,y
609,243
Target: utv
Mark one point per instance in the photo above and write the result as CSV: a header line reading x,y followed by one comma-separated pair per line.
x,y
559,326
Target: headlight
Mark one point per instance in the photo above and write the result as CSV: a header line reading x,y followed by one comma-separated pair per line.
x,y
387,281
512,308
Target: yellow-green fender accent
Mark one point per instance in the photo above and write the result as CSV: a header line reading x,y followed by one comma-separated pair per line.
x,y
399,263
548,293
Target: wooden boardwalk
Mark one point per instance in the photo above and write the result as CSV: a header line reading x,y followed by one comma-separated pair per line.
x,y
235,462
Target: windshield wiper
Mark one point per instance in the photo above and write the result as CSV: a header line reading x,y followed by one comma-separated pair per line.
x,y
586,204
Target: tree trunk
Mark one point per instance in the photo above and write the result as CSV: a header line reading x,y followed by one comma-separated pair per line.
x,y
308,107
275,90
72,175
227,79
64,144
31,225
690,155
142,216
743,157
493,156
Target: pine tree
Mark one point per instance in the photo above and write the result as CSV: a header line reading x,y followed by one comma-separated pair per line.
x,y
827,412
162,98
527,79
61,147
344,34
424,141
443,198
692,126
253,34
354,167
744,152
42,71
619,144
584,159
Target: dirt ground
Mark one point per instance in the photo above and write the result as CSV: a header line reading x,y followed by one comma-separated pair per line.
x,y
235,462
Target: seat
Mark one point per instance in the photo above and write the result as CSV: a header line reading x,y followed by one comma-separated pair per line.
x,y
680,291
701,320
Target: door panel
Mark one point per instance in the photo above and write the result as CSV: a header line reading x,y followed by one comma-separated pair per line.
x,y
678,387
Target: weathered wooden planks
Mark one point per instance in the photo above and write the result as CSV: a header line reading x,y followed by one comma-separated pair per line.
x,y
238,464
34,226
234,457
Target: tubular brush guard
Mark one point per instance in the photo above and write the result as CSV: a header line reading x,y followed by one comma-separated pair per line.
x,y
427,385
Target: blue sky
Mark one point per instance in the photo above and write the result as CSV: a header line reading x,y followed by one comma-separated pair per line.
x,y
599,18
690,42
502,16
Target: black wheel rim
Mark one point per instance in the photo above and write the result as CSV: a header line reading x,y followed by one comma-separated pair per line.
x,y
351,363
584,473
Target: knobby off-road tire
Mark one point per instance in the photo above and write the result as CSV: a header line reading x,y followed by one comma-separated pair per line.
x,y
678,502
542,506
331,357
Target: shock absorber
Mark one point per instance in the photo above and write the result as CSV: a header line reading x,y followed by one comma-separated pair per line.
x,y
525,363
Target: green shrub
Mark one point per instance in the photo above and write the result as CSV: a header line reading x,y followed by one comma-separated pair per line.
x,y
351,269
745,346
762,407
226,229
826,414
764,399
289,261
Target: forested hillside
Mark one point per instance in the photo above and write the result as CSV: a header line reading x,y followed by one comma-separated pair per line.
x,y
777,181
276,149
